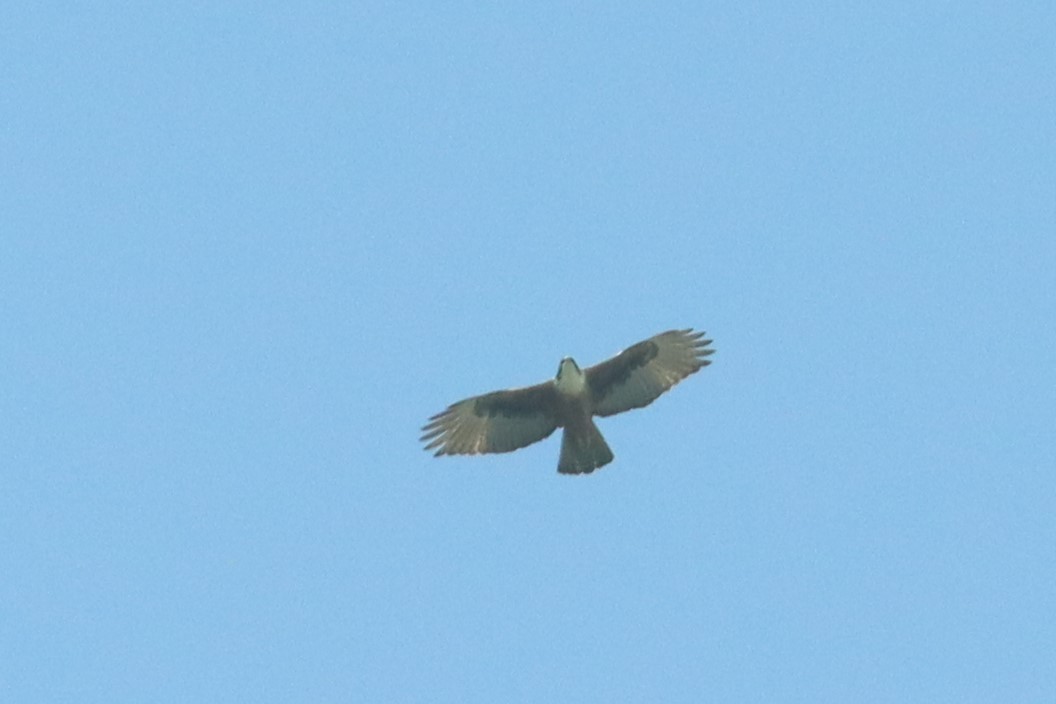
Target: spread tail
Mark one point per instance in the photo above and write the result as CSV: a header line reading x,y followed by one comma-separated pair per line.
x,y
583,449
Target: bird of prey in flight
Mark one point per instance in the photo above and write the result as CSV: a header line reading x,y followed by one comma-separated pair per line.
x,y
503,421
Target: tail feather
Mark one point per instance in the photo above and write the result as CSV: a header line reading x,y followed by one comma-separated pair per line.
x,y
583,449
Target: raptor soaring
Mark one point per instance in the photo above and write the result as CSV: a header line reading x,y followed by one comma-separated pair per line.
x,y
503,421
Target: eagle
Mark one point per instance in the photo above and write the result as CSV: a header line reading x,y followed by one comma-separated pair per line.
x,y
504,421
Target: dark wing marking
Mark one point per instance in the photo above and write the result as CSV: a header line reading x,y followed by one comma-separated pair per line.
x,y
638,375
501,421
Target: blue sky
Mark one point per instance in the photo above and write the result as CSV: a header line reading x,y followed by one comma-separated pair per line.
x,y
247,249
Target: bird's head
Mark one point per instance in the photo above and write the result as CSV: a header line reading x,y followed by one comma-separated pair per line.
x,y
569,376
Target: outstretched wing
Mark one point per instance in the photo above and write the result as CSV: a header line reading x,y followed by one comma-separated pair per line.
x,y
638,375
501,421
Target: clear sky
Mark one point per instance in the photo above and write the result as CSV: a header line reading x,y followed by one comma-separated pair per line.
x,y
247,249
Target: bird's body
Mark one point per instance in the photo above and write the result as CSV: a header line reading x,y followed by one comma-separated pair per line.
x,y
503,421
583,449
